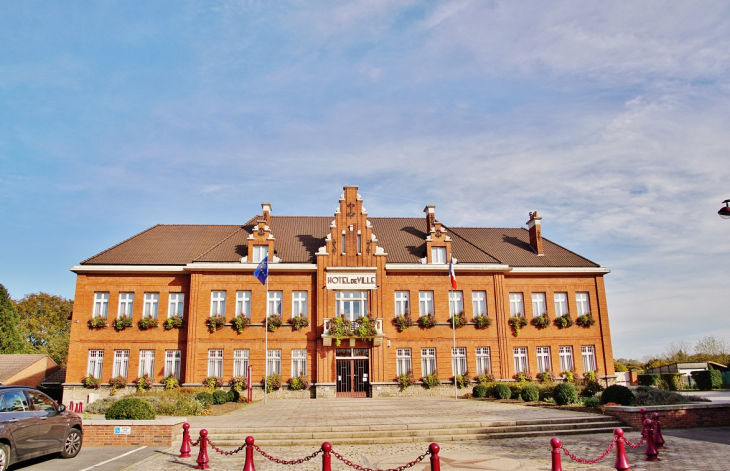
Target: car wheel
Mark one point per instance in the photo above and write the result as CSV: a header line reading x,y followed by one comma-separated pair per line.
x,y
4,457
72,444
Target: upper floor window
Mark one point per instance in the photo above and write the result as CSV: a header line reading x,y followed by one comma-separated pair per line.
x,y
274,304
402,307
516,307
260,252
101,304
243,303
582,303
151,303
538,304
126,301
561,304
299,303
342,246
425,303
352,304
479,303
456,302
217,303
438,254
177,305
359,244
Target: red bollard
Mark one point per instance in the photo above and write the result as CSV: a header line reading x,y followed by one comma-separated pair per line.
x,y
71,407
79,407
658,439
185,448
643,419
652,454
435,460
203,455
557,460
622,463
326,457
248,465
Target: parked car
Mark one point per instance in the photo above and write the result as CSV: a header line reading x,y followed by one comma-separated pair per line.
x,y
32,424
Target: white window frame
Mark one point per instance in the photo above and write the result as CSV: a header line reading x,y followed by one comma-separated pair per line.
x,y
543,359
428,361
516,305
274,304
121,364
215,362
425,303
484,361
479,303
241,362
402,303
217,304
176,306
539,307
243,304
151,305
95,365
259,253
582,303
173,362
561,303
273,362
146,363
588,352
126,304
349,302
458,361
299,304
298,362
403,363
566,358
522,365
101,304
456,302
438,255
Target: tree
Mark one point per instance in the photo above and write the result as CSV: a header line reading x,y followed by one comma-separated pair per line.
x,y
11,338
44,320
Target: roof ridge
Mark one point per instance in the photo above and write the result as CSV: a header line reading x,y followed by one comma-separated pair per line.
x,y
120,243
240,228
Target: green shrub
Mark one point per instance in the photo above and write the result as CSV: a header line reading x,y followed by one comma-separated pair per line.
x,y
130,408
564,394
479,391
646,396
591,389
546,391
592,402
430,381
231,396
183,406
647,379
716,376
100,406
502,391
619,367
219,397
515,389
618,394
703,380
674,381
205,398
530,393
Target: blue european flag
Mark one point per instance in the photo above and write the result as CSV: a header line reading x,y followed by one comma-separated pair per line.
x,y
262,271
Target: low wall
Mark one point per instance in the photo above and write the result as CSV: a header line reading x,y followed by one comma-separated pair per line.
x,y
677,416
417,390
160,432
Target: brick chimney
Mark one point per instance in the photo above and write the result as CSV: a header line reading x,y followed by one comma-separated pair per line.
x,y
533,226
266,213
430,211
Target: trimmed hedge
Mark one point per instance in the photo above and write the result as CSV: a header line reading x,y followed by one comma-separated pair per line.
x,y
591,389
130,408
618,394
703,380
530,393
479,391
205,398
564,394
716,376
219,397
502,391
647,379
675,381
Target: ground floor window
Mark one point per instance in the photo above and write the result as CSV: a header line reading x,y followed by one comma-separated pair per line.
x,y
298,363
172,363
147,363
215,362
543,359
240,362
520,356
96,363
589,357
273,362
458,361
484,364
566,358
403,361
428,361
121,363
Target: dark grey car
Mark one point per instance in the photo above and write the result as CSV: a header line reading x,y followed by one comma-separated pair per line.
x,y
32,425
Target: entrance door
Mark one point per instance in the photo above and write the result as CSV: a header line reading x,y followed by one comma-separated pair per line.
x,y
352,372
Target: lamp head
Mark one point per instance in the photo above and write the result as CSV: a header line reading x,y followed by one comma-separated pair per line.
x,y
725,211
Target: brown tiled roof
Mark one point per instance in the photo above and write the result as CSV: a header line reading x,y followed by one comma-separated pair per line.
x,y
299,237
57,377
12,364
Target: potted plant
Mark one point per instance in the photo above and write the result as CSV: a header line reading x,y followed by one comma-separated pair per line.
x,y
143,383
522,377
459,320
406,380
365,328
564,321
215,322
586,320
298,383
462,381
272,382
430,381
239,323
482,322
485,378
340,328
121,323
148,323
299,321
237,383
213,382
90,382
274,321
171,382
427,321
517,322
541,321
174,322
546,377
403,321
97,322
120,382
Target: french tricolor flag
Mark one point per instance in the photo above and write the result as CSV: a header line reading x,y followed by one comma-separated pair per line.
x,y
452,274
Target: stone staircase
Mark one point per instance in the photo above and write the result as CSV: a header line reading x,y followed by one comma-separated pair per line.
x,y
388,434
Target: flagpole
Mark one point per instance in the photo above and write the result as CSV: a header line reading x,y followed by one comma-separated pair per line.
x,y
266,339
453,325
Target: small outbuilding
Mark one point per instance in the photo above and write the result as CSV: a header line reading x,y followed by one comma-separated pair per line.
x,y
26,370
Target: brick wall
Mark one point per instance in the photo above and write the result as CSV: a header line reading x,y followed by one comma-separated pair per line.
x,y
143,433
678,416
33,374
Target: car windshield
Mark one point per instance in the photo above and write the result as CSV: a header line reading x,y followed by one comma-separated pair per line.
x,y
15,401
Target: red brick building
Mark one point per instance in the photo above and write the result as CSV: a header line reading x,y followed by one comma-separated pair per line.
x,y
350,264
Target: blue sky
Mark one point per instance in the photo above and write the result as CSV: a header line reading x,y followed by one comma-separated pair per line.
x,y
609,118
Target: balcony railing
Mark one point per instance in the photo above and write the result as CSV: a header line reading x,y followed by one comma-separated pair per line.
x,y
377,338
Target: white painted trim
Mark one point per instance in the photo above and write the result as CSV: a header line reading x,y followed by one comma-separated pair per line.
x,y
237,266
558,270
445,267
351,269
127,268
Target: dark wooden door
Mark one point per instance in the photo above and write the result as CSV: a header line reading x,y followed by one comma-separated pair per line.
x,y
352,378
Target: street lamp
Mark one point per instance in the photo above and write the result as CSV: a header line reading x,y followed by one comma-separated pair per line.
x,y
725,211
